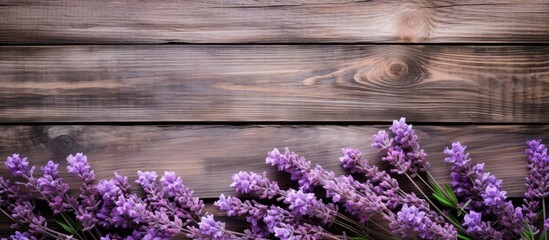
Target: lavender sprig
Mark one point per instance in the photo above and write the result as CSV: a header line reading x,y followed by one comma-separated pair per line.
x,y
403,150
168,210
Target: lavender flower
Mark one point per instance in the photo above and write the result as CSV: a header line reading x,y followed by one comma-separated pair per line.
x,y
461,170
537,181
146,179
172,186
128,211
245,182
79,166
300,203
22,236
23,213
411,220
472,222
252,210
210,229
481,229
293,164
351,158
493,196
484,193
302,231
381,183
108,203
342,189
403,150
538,164
277,216
18,167
53,188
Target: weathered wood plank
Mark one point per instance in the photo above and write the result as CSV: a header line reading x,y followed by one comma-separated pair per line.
x,y
301,21
207,156
274,83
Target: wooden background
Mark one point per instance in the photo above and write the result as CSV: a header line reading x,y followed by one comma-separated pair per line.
x,y
206,88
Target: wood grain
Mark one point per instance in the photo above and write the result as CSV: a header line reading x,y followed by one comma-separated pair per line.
x,y
298,21
491,84
207,156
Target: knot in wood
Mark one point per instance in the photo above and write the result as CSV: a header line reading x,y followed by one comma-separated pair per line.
x,y
397,71
413,25
63,145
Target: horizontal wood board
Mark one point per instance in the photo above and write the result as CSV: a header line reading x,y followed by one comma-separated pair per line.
x,y
297,21
320,83
207,156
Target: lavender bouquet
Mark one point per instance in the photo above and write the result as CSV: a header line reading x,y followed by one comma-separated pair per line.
x,y
322,206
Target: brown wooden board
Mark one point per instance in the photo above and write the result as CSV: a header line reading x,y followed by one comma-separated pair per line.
x,y
207,156
321,83
343,21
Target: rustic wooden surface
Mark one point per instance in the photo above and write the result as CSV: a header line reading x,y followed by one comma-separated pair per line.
x,y
299,21
489,84
96,77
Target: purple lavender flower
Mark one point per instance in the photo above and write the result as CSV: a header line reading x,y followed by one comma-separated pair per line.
x,y
161,226
233,206
300,203
473,224
283,233
276,215
300,231
17,166
54,188
403,151
411,220
382,140
253,211
22,236
146,179
461,170
128,211
485,195
537,181
538,164
172,185
51,183
546,224
342,189
78,165
249,182
109,190
379,182
23,213
404,134
472,221
493,196
208,228
293,164
350,159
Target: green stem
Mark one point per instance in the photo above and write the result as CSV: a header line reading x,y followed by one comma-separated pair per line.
x,y
387,230
544,217
348,227
427,184
66,218
457,225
